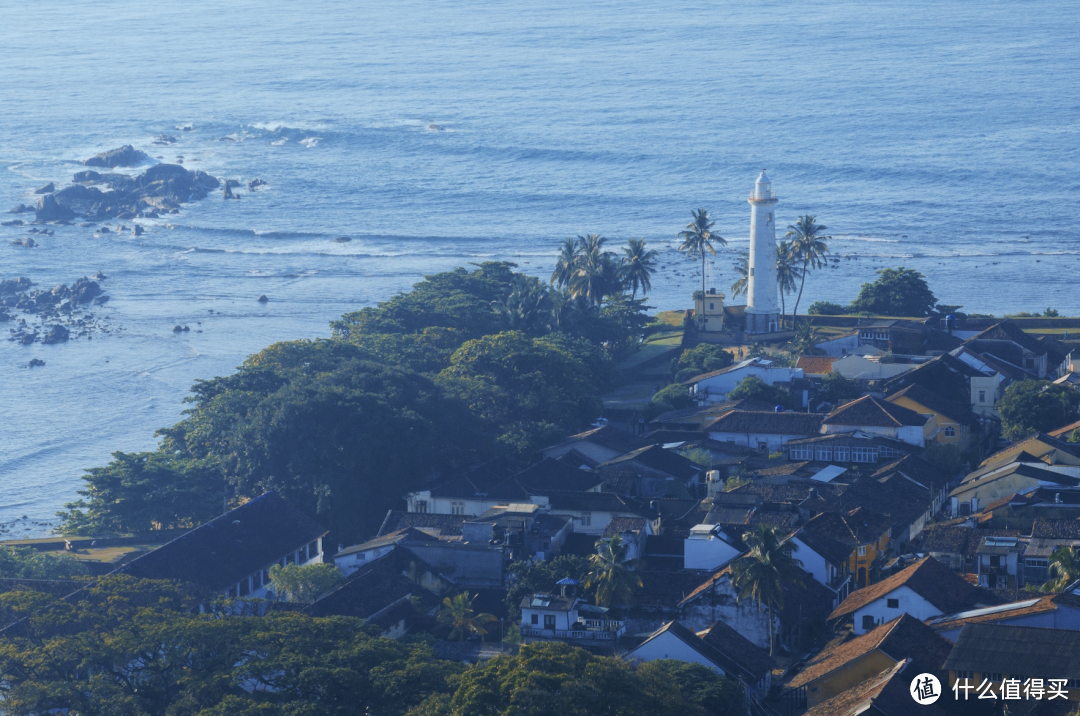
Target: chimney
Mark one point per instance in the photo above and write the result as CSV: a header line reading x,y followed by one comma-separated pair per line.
x,y
1057,498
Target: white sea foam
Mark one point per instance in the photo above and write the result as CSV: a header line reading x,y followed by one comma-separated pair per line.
x,y
310,142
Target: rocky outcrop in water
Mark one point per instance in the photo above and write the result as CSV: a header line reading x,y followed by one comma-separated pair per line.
x,y
125,156
255,184
47,189
54,315
160,189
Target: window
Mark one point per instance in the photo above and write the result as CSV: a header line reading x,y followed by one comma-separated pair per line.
x,y
992,676
995,561
950,431
535,618
712,306
842,453
824,452
801,452
313,550
863,454
892,603
457,508
360,556
586,521
888,452
862,551
867,622
549,621
982,396
421,505
962,675
751,270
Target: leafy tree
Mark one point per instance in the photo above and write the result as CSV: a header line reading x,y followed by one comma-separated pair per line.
x,y
1074,436
555,679
138,492
1050,313
673,397
896,292
526,578
754,388
457,299
304,583
805,339
761,573
638,266
565,264
837,389
825,308
141,648
699,237
28,563
1064,569
1031,406
611,575
529,391
808,248
459,617
703,358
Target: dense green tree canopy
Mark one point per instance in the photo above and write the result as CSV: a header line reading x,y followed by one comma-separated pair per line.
x,y
556,679
703,358
838,390
1031,406
526,578
896,292
754,388
28,563
136,648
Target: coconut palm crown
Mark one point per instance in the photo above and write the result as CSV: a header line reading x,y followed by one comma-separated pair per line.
x,y
699,237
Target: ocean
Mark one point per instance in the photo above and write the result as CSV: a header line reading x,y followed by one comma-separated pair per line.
x,y
942,136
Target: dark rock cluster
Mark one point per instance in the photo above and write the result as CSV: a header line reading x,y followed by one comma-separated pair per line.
x,y
160,189
54,315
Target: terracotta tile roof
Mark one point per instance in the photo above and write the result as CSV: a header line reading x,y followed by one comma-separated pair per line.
x,y
221,552
1017,651
729,369
959,540
905,637
745,421
936,403
887,693
656,458
1036,451
1027,607
744,656
684,414
1055,529
816,365
871,412
1064,432
835,535
928,578
1031,472
619,525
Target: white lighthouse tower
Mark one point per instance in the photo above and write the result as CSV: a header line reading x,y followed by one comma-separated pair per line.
x,y
762,304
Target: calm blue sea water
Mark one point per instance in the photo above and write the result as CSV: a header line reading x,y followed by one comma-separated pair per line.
x,y
939,135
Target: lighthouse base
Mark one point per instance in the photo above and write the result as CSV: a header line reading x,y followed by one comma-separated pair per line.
x,y
762,322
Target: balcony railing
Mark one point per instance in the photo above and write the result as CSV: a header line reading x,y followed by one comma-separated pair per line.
x,y
611,631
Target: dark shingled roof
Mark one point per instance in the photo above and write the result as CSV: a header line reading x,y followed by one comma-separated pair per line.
x,y
689,638
439,525
1022,608
618,525
928,578
657,458
698,411
741,657
905,637
870,411
369,591
407,534
596,502
958,540
1017,651
833,535
220,553
538,479
1009,331
936,403
944,375
746,421
1055,529
917,469
478,478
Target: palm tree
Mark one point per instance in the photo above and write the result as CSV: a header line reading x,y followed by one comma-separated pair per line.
x,y
762,572
457,613
527,308
742,269
698,237
787,272
1064,569
611,574
806,337
638,266
808,247
595,273
565,264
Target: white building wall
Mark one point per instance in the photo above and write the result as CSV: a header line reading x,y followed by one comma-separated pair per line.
x,y
752,440
709,553
909,603
716,388
668,646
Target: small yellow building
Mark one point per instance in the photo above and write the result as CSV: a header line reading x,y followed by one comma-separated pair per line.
x,y
709,311
953,424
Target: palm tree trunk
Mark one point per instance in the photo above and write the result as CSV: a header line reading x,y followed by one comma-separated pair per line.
x,y
802,283
771,630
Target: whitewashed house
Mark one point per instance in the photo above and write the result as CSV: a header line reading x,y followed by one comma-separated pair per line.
x,y
708,548
566,617
765,431
925,590
714,387
872,416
